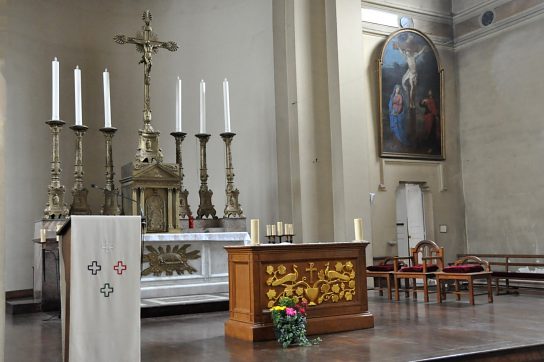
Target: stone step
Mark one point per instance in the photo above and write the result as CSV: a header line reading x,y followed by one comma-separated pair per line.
x,y
23,305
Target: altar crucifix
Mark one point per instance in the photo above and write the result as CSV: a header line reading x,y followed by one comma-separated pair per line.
x,y
151,184
147,43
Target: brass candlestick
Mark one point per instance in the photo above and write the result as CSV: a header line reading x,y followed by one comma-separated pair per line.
x,y
55,208
79,192
110,207
232,206
184,208
206,208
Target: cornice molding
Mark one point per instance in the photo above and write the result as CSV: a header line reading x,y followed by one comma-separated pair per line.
x,y
477,10
500,26
385,31
408,10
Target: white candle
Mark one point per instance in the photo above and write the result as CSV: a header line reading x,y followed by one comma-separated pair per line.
x,y
226,104
273,230
55,105
279,226
77,86
43,235
178,105
202,107
107,106
358,224
254,231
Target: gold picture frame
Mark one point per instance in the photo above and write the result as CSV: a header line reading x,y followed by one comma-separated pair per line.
x,y
411,94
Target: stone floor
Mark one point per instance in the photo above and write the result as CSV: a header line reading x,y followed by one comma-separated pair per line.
x,y
404,331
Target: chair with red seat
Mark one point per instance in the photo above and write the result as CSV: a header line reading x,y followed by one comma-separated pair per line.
x,y
426,259
465,269
382,272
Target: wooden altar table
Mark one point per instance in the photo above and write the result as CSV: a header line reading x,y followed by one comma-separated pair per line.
x,y
330,277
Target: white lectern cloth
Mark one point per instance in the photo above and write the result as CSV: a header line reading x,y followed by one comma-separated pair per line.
x,y
104,321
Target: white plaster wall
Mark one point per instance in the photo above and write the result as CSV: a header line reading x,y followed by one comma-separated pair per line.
x,y
217,38
2,184
500,98
447,206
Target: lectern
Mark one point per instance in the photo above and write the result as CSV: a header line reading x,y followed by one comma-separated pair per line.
x,y
100,288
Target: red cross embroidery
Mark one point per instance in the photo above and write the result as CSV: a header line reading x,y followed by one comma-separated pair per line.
x,y
120,267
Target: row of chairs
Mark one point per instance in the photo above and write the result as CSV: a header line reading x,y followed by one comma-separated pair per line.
x,y
425,263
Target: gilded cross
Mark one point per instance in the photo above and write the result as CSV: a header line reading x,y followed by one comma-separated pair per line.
x,y
311,269
146,42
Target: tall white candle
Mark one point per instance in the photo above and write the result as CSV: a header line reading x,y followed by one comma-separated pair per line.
x,y
226,104
55,104
107,106
255,231
279,226
77,86
358,224
178,105
202,107
43,235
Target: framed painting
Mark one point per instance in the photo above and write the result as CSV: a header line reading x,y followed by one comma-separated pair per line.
x,y
411,87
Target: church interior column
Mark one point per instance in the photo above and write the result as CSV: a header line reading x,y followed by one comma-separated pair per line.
x,y
2,188
303,142
349,131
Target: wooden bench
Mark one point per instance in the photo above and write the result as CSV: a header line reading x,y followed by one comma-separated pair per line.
x,y
508,268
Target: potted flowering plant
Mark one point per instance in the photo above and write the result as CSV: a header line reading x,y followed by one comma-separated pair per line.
x,y
289,320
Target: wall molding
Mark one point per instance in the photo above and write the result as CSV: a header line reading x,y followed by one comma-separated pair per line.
x,y
438,165
500,26
409,10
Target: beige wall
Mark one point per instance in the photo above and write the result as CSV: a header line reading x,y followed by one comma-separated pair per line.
x,y
443,179
217,39
351,95
2,176
500,91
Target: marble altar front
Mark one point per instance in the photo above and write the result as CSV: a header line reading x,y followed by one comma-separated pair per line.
x,y
186,263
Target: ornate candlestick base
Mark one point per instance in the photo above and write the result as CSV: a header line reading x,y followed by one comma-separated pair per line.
x,y
55,207
110,207
184,208
205,208
232,206
79,192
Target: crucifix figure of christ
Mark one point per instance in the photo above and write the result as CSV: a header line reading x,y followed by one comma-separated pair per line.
x,y
146,43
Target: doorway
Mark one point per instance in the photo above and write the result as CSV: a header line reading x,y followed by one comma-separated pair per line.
x,y
410,217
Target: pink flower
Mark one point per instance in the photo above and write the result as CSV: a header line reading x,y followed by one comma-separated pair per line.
x,y
290,311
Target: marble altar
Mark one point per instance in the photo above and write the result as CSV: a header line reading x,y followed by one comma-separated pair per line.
x,y
187,263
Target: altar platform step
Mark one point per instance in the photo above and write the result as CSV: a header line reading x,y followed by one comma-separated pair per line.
x,y
188,304
23,306
150,307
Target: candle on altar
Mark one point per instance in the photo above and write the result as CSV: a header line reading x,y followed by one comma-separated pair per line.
x,y
202,106
279,226
254,231
226,104
273,227
358,224
43,235
55,90
77,88
178,105
107,106
268,230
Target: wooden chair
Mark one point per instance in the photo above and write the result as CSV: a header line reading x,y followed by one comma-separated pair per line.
x,y
383,272
468,269
427,258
